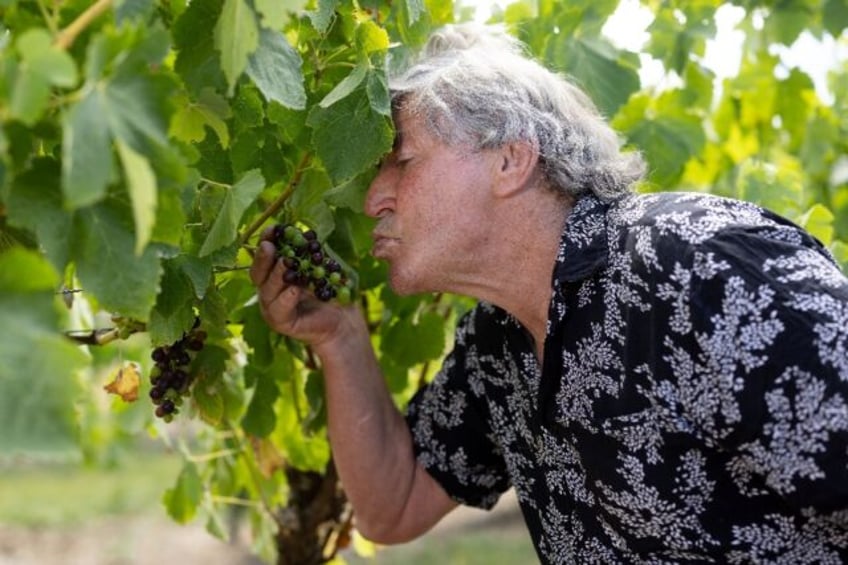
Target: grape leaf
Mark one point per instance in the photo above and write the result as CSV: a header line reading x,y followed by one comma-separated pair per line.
x,y
172,315
818,220
260,418
192,117
236,37
141,185
414,10
35,203
346,86
197,62
276,13
323,15
835,16
41,67
608,75
427,333
103,248
237,199
275,69
87,166
182,500
309,453
349,136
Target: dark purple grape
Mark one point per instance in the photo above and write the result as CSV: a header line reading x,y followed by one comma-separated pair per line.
x,y
313,246
194,344
182,358
157,392
291,263
310,235
317,258
290,276
160,355
333,266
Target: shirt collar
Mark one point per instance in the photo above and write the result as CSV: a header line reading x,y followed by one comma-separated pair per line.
x,y
583,247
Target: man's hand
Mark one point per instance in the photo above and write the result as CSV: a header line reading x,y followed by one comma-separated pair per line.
x,y
292,310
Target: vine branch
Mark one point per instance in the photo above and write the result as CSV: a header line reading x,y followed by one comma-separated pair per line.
x,y
66,37
281,199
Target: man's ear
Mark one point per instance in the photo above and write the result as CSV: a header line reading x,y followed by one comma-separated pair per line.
x,y
516,168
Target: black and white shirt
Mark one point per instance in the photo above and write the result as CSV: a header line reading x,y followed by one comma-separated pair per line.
x,y
692,405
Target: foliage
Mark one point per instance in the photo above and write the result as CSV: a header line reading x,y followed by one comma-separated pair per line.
x,y
145,144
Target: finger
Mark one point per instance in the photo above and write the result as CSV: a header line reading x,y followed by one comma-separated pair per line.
x,y
267,234
263,262
273,284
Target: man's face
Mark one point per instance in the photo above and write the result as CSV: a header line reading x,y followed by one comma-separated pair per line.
x,y
431,201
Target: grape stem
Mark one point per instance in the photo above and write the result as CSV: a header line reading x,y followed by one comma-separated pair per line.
x,y
275,206
67,36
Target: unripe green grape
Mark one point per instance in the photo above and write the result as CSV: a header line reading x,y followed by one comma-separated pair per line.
x,y
308,265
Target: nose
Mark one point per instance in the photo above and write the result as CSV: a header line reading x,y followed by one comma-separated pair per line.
x,y
380,198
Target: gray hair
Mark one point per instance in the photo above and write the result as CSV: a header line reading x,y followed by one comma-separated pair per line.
x,y
474,84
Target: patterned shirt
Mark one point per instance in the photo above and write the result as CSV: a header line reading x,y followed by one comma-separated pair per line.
x,y
692,403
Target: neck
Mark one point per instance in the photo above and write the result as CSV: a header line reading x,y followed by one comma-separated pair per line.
x,y
514,270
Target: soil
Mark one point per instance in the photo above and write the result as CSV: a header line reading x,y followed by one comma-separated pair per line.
x,y
153,539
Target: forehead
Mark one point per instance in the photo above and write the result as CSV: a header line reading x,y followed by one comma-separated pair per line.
x,y
410,129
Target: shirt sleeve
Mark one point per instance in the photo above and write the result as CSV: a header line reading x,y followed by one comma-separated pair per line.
x,y
450,429
769,312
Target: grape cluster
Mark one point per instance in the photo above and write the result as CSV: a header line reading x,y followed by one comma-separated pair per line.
x,y
170,377
309,265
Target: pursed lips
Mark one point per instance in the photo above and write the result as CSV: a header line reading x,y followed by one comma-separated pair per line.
x,y
382,242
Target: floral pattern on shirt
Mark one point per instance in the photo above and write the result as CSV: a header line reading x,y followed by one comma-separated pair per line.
x,y
692,403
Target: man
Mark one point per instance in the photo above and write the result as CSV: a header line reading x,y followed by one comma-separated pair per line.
x,y
661,378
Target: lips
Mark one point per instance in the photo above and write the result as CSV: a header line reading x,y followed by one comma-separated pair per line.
x,y
382,244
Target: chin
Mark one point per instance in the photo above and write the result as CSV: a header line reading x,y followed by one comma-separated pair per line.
x,y
405,283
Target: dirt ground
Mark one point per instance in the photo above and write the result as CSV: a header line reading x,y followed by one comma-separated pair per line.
x,y
153,539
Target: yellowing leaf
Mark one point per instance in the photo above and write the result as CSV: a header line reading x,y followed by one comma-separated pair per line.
x,y
125,383
268,458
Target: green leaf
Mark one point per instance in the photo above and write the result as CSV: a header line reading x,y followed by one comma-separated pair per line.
x,y
275,69
209,388
236,37
130,10
818,220
42,66
664,132
192,117
198,271
411,342
608,75
414,10
835,16
197,60
236,201
141,185
276,13
346,86
41,384
103,248
323,15
181,501
35,203
349,136
172,315
260,418
87,165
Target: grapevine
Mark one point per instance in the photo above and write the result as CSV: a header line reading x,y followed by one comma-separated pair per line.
x,y
309,265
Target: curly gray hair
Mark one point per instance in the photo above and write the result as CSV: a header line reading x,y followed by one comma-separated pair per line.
x,y
474,84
